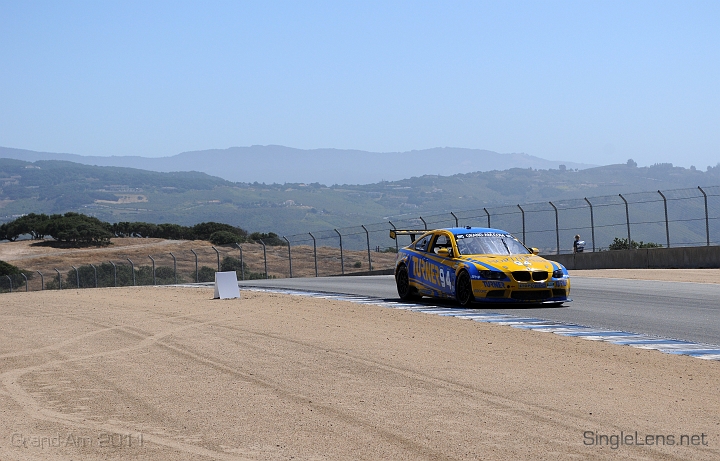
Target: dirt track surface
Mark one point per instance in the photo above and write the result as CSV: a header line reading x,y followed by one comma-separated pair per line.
x,y
170,374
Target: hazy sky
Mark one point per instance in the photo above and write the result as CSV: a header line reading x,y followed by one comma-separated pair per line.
x,y
596,82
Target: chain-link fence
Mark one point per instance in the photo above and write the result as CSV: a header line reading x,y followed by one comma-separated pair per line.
x,y
679,217
314,256
670,218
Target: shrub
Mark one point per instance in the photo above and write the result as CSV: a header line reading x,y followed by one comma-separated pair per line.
x,y
206,274
225,238
15,274
270,238
622,244
204,230
389,250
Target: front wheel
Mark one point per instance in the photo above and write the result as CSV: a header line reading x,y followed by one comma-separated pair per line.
x,y
463,289
405,291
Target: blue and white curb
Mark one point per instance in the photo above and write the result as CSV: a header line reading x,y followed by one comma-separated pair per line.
x,y
623,338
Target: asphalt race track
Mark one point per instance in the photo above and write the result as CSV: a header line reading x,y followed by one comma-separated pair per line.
x,y
676,310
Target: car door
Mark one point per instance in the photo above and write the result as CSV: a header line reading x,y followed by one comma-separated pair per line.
x,y
444,274
416,264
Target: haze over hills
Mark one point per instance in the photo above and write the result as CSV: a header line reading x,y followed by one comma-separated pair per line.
x,y
126,194
280,164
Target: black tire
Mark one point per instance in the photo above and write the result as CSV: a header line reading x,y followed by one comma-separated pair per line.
x,y
405,291
463,289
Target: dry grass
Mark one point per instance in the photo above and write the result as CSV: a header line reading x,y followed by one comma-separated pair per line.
x,y
29,255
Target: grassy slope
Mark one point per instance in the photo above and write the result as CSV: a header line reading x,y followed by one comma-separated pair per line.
x,y
189,198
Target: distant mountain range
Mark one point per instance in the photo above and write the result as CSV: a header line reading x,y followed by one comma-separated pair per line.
x,y
117,194
279,164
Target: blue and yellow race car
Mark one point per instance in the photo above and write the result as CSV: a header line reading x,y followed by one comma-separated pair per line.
x,y
476,264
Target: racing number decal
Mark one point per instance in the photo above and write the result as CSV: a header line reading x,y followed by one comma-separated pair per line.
x,y
445,280
433,274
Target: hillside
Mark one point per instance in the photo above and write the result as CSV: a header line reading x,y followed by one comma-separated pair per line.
x,y
280,164
123,194
35,256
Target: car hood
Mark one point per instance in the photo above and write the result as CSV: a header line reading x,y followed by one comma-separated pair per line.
x,y
509,263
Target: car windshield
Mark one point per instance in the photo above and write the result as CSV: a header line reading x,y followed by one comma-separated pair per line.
x,y
489,243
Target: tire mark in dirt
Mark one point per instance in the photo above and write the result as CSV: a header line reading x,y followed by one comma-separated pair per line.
x,y
534,412
10,380
395,439
104,328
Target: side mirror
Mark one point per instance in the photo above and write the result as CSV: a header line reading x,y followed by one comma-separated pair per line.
x,y
535,251
444,252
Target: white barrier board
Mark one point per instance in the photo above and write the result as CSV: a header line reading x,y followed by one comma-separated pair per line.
x,y
226,285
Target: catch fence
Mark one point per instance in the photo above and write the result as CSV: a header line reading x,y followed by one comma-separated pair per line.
x,y
670,218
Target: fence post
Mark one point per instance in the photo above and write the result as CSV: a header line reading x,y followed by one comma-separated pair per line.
x,y
367,236
488,216
114,272
59,278
342,258
523,222
42,281
421,219
667,225
26,281
95,269
314,253
557,227
197,274
456,219
627,219
10,280
174,267
153,265
592,223
242,265
77,276
264,256
218,256
132,268
289,255
707,221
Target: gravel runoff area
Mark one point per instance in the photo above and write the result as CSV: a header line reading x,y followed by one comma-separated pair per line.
x,y
160,373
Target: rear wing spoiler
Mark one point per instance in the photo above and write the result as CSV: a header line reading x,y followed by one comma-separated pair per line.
x,y
412,233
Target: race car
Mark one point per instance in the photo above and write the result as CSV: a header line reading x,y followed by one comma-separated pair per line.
x,y
476,264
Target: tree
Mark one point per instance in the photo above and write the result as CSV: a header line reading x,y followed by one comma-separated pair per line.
x,y
631,163
31,224
78,228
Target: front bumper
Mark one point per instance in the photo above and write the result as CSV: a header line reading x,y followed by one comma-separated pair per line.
x,y
553,291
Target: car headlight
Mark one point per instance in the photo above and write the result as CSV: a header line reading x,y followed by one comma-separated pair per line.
x,y
558,274
492,275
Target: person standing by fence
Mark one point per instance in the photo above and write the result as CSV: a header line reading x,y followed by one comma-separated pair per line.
x,y
578,245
